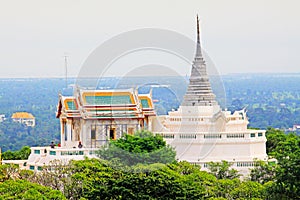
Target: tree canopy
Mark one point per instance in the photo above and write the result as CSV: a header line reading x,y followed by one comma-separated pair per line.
x,y
283,176
21,154
22,189
101,179
141,148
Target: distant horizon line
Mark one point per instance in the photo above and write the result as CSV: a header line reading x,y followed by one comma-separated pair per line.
x,y
229,74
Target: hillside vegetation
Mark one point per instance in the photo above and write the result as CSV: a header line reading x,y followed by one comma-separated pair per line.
x,y
115,178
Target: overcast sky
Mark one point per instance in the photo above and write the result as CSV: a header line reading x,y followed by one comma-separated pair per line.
x,y
239,36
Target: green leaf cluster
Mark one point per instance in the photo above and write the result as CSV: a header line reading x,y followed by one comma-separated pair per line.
x,y
141,148
16,184
22,189
222,170
159,181
281,178
21,154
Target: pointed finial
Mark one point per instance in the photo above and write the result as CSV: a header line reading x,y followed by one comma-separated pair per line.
x,y
198,49
198,30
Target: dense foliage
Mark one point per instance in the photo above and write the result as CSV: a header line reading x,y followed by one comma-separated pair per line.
x,y
21,154
284,174
222,170
113,179
22,189
287,153
97,179
156,181
14,186
142,147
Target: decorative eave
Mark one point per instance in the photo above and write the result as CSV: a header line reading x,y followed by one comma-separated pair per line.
x,y
62,107
149,110
66,105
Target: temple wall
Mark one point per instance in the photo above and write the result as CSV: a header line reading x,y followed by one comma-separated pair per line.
x,y
217,151
95,133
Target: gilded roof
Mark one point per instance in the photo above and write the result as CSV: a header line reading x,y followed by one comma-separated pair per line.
x,y
24,115
121,103
108,98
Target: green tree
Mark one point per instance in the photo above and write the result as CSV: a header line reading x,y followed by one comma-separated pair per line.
x,y
142,147
9,171
249,190
21,189
97,178
223,187
58,176
286,149
288,171
221,170
21,154
262,172
274,137
155,181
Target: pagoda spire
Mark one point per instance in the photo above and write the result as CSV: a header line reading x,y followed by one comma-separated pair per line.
x,y
199,92
198,50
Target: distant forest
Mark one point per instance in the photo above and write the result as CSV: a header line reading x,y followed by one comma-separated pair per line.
x,y
271,100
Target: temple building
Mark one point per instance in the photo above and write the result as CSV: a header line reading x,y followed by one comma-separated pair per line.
x,y
94,117
90,119
24,117
200,131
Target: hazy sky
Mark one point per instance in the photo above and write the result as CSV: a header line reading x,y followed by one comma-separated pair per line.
x,y
240,36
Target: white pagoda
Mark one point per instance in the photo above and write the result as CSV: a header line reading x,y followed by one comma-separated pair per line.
x,y
201,132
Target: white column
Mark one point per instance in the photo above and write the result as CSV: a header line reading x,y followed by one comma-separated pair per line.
x,y
84,133
62,133
150,124
69,127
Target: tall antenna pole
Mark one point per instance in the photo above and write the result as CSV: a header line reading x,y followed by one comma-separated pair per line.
x,y
66,69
